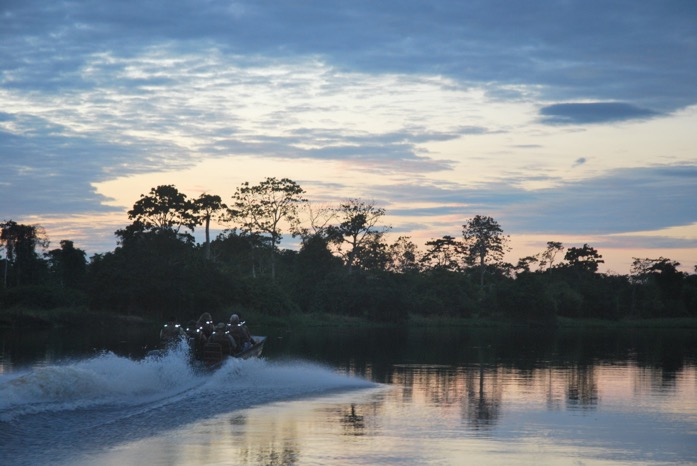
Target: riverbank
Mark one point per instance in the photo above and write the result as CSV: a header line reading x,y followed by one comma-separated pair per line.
x,y
333,320
80,317
65,317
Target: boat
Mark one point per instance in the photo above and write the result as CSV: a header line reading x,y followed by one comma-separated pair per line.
x,y
212,356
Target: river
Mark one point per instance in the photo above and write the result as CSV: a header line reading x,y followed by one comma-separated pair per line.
x,y
354,396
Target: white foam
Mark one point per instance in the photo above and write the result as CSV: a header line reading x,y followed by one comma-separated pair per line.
x,y
103,379
296,376
111,380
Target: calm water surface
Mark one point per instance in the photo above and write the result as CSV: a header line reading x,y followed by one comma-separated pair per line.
x,y
350,396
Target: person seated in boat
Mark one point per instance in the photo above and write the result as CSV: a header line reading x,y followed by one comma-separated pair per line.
x,y
222,337
197,339
172,332
240,333
205,324
191,329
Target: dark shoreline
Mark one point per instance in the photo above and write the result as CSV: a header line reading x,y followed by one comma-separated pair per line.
x,y
66,317
81,317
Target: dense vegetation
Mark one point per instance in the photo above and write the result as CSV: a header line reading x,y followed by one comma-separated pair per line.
x,y
344,266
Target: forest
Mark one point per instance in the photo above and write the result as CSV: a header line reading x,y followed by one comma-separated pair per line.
x,y
343,265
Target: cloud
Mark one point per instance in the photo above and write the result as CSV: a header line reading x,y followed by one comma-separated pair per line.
x,y
619,201
570,50
646,242
37,180
625,200
93,91
156,112
593,112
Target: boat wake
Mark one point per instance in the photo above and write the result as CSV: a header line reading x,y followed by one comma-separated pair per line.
x,y
101,380
83,404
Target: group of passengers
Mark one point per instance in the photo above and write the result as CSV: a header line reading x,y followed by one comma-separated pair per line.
x,y
233,337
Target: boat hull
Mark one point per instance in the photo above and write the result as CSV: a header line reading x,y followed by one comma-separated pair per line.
x,y
212,355
253,351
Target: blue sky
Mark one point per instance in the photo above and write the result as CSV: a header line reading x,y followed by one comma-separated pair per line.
x,y
567,121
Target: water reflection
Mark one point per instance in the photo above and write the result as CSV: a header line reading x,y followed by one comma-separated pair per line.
x,y
353,423
22,347
442,414
482,393
582,388
492,396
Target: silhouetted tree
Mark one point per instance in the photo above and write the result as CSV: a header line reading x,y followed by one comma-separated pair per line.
x,y
485,241
262,208
315,220
68,264
373,253
357,227
403,256
206,208
153,272
239,251
584,258
548,255
164,208
315,268
21,260
156,268
524,263
663,275
446,253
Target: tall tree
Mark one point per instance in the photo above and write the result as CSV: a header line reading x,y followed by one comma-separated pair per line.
x,y
548,255
265,207
20,242
584,258
642,269
446,253
358,224
164,208
485,241
373,254
208,207
68,264
404,255
662,273
240,250
316,220
524,263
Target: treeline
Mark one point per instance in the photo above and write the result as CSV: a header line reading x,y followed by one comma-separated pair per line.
x,y
344,265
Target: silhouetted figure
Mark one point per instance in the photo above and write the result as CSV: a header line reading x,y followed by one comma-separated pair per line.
x,y
197,340
240,333
223,338
205,324
172,332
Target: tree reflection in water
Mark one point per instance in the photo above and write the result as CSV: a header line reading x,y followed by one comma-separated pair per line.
x,y
484,400
464,407
476,392
353,423
582,388
478,369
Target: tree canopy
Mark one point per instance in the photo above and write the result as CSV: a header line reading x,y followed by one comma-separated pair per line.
x,y
164,208
357,229
345,264
208,207
485,242
263,207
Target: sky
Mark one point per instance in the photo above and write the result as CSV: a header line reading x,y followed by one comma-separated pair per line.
x,y
568,120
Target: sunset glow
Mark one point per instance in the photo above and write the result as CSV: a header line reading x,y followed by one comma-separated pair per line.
x,y
435,113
